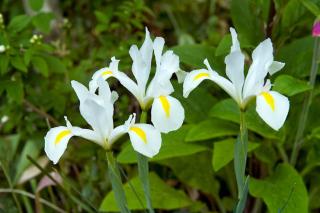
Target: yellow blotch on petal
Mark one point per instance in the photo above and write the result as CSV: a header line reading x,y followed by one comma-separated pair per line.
x,y
140,133
201,75
269,99
165,105
61,135
107,72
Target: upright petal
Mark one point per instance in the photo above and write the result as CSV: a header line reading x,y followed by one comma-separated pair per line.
x,y
56,142
145,139
158,45
235,43
262,58
167,114
81,91
273,108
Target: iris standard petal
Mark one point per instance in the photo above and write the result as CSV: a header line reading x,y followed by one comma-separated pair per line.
x,y
145,139
273,108
56,142
167,114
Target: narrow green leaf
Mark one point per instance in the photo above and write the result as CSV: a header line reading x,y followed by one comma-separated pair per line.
x,y
242,202
4,62
312,7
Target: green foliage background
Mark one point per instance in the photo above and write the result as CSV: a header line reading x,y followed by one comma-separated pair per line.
x,y
193,171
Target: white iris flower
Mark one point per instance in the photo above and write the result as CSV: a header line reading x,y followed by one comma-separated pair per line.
x,y
271,106
97,110
167,113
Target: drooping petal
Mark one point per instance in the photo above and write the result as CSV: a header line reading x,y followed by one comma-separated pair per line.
x,y
56,142
273,108
262,58
193,79
145,139
98,117
275,67
167,114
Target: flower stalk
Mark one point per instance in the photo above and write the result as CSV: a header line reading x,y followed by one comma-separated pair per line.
x,y
143,168
115,178
307,103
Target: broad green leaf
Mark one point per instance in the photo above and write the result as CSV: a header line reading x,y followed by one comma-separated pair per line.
x,y
162,195
284,190
36,5
245,20
173,145
195,171
4,63
229,110
15,90
297,65
290,86
18,63
18,23
41,65
42,21
194,54
223,152
211,128
55,64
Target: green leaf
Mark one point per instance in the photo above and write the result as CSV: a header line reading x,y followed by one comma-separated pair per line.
x,y
4,62
297,65
163,196
225,45
18,63
42,21
173,145
41,65
36,5
195,171
283,189
8,147
312,7
18,23
245,20
290,86
229,110
55,64
211,128
223,152
15,90
194,54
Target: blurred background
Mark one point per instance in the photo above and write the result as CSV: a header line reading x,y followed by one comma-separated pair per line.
x,y
45,44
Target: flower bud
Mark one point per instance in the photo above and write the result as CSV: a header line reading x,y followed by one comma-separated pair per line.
x,y
316,29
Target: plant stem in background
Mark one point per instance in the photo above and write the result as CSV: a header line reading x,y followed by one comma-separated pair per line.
x,y
240,160
306,104
143,168
116,182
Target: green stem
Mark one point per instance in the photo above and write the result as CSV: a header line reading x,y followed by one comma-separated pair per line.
x,y
240,160
306,104
116,183
143,168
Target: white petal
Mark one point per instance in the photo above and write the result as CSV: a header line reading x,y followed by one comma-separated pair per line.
x,y
262,58
147,50
116,133
193,79
235,43
145,139
234,70
104,90
99,118
169,65
167,114
273,108
81,91
158,47
181,75
56,142
157,88
275,67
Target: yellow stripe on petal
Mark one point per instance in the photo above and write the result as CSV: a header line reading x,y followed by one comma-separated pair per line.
x,y
165,105
61,135
201,75
107,72
140,133
269,99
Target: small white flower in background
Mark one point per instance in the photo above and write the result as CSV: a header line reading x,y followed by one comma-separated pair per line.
x,y
4,119
2,48
97,110
167,113
271,106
